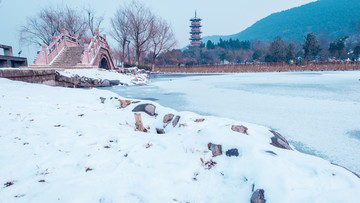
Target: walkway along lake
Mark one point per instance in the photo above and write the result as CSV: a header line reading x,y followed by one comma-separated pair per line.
x,y
318,112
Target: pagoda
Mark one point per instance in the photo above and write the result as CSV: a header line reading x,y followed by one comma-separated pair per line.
x,y
195,39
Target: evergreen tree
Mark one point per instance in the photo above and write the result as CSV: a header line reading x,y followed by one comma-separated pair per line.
x,y
290,51
222,44
357,51
338,46
311,46
277,50
222,56
258,54
210,45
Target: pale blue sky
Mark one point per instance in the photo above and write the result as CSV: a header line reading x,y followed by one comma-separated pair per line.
x,y
222,17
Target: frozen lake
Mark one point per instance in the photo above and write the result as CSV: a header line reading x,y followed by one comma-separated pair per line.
x,y
318,112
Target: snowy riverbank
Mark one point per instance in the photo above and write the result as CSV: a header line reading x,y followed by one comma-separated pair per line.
x,y
318,112
65,144
100,74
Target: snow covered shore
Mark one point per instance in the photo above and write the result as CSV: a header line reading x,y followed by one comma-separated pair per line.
x,y
129,79
59,144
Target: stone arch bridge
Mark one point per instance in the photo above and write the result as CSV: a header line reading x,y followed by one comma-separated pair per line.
x,y
66,52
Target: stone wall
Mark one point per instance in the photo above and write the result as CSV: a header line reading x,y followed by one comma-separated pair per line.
x,y
31,76
53,78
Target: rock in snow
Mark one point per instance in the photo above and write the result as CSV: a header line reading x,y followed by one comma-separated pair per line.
x,y
160,131
176,121
124,103
232,152
215,149
138,123
102,99
199,120
279,141
168,117
100,157
147,108
240,129
258,196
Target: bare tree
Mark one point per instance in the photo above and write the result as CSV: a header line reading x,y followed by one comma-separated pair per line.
x,y
40,28
121,29
136,23
163,39
141,27
74,22
93,21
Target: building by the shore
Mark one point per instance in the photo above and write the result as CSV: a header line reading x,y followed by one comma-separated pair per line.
x,y
8,60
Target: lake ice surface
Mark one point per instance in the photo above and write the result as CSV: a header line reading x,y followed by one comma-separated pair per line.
x,y
318,112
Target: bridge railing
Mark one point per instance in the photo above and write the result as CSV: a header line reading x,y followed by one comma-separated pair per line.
x,y
91,50
48,53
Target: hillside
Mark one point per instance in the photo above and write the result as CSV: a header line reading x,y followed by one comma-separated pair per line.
x,y
330,17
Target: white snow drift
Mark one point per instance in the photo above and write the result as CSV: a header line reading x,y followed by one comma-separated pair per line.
x,y
59,144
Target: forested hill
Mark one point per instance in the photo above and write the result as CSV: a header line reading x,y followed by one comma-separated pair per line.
x,y
333,18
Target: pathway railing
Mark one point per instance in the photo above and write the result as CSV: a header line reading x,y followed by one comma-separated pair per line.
x,y
48,53
91,50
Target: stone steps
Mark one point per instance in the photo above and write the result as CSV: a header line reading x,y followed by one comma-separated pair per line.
x,y
71,56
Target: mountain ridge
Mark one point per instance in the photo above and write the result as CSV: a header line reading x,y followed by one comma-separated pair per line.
x,y
329,17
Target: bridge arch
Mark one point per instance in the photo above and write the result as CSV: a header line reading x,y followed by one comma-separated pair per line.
x,y
96,54
104,63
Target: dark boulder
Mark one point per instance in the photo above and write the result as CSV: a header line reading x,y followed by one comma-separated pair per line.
x,y
160,131
258,196
147,108
105,83
279,141
232,152
114,82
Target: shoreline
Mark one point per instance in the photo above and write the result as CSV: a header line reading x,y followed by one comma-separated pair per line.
x,y
241,68
288,99
63,134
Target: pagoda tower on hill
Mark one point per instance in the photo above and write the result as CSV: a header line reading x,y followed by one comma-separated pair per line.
x,y
195,26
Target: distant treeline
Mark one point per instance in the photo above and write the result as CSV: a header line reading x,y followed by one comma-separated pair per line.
x,y
313,48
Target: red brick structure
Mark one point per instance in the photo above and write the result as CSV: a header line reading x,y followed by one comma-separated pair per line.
x,y
66,52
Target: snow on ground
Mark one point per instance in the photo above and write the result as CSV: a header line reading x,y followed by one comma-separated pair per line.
x,y
59,144
129,79
318,112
